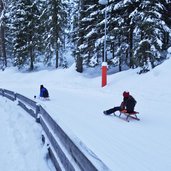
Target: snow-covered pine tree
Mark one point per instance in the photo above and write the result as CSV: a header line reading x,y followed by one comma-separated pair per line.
x,y
90,33
7,31
54,18
74,21
78,34
121,30
24,21
151,28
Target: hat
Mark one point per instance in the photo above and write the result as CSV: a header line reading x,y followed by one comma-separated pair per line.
x,y
126,94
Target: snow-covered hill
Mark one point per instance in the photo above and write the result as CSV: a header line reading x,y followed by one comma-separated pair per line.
x,y
77,103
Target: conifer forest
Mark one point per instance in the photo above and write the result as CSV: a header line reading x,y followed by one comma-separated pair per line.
x,y
138,33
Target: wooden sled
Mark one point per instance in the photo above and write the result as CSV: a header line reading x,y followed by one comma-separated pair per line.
x,y
132,115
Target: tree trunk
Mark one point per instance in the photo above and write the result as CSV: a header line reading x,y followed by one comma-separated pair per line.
x,y
32,59
112,49
2,37
3,47
79,59
79,64
55,30
131,47
165,40
120,60
57,55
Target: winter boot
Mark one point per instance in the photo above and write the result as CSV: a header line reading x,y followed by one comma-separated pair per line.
x,y
105,112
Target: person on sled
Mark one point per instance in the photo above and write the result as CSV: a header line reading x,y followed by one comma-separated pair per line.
x,y
128,104
43,92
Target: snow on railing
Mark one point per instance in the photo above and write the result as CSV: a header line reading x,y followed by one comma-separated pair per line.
x,y
9,94
65,153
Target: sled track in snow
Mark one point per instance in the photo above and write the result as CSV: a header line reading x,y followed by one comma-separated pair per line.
x,y
66,153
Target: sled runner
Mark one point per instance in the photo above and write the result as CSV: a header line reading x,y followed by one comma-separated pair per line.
x,y
42,98
132,115
45,98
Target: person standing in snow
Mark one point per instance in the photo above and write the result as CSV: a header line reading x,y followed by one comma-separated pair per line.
x,y
44,92
128,104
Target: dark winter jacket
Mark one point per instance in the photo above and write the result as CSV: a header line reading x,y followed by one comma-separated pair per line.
x,y
44,92
128,103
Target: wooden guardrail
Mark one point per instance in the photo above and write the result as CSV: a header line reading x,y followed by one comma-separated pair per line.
x,y
9,94
66,153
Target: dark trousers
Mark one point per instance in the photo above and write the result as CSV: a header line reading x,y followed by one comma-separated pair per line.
x,y
112,110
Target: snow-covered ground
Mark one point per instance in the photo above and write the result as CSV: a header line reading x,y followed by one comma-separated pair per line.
x,y
77,103
20,146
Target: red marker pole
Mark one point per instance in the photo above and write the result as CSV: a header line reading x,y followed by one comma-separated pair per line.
x,y
104,63
104,74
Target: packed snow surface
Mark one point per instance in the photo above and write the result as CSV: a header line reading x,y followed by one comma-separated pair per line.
x,y
76,103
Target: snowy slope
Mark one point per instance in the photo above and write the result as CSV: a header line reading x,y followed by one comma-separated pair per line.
x,y
20,146
77,103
